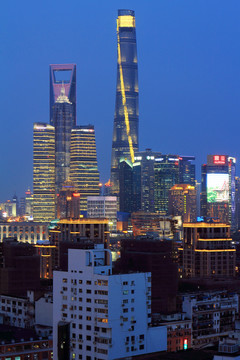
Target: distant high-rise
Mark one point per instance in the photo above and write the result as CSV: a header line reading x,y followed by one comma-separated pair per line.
x,y
187,170
63,122
43,172
83,163
125,130
63,75
183,202
68,202
166,170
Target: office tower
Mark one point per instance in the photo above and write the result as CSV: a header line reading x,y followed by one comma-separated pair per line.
x,y
63,75
218,188
103,207
43,172
83,163
28,203
125,129
187,170
15,209
100,315
183,202
129,186
166,171
68,202
207,250
63,122
23,231
147,159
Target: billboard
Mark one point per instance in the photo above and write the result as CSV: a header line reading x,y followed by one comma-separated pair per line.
x,y
217,188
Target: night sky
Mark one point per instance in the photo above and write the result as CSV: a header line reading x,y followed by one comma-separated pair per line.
x,y
189,76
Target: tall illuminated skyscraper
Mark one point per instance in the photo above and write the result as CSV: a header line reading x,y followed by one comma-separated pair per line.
x,y
43,172
125,130
63,75
83,163
63,123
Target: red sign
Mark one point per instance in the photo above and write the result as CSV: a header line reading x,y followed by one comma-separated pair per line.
x,y
219,159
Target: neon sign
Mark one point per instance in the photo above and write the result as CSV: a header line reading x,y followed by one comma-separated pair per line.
x,y
219,159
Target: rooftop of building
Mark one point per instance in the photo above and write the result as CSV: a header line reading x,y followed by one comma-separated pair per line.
x,y
12,334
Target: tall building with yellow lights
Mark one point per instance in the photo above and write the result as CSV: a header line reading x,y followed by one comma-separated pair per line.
x,y
83,163
43,172
125,129
207,251
183,202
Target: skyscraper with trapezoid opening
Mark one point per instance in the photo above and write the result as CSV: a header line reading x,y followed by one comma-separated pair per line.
x,y
125,129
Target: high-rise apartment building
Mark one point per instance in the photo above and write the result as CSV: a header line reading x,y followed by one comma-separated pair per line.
x,y
63,75
43,172
166,171
125,129
218,188
83,163
100,315
183,202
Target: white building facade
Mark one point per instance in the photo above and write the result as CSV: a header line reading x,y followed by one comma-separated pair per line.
x,y
108,316
103,207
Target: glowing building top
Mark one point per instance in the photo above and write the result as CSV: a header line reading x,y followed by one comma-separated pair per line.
x,y
125,130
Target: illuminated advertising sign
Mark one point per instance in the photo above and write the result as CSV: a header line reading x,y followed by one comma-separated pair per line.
x,y
185,344
217,188
219,159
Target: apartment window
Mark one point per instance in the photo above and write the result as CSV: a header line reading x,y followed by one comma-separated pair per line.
x,y
88,348
88,337
80,347
80,290
141,347
80,326
73,325
80,299
88,318
64,280
88,282
125,292
125,283
125,310
80,308
89,309
80,281
89,291
88,327
132,291
89,300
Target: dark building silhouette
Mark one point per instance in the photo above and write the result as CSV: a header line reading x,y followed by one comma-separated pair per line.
x,y
68,201
187,170
147,254
125,129
19,268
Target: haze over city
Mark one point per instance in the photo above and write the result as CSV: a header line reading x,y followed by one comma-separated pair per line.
x,y
188,65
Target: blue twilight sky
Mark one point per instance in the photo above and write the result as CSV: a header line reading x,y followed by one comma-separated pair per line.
x,y
189,76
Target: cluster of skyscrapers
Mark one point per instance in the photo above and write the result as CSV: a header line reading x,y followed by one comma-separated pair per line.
x,y
118,295
62,150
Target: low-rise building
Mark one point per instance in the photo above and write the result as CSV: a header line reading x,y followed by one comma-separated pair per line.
x,y
213,315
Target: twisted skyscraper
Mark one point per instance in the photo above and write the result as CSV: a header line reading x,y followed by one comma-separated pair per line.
x,y
125,130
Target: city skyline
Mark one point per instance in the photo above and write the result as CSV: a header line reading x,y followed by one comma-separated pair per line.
x,y
188,95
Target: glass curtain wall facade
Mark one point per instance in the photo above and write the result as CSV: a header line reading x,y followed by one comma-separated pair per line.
x,y
125,129
83,163
166,174
63,75
43,172
63,122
